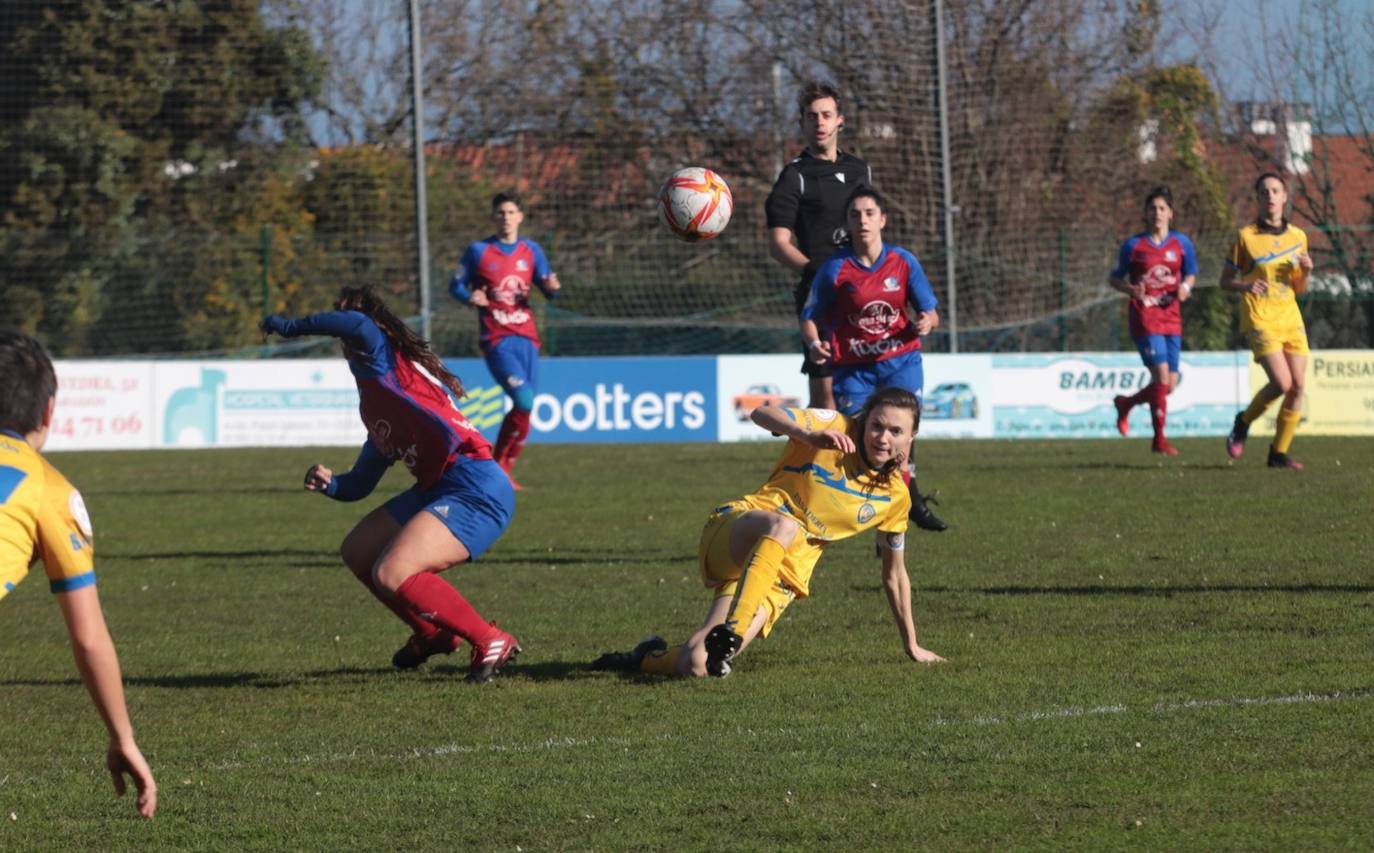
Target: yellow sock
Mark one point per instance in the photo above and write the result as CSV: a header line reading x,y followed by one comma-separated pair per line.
x,y
661,663
1288,424
1257,407
760,573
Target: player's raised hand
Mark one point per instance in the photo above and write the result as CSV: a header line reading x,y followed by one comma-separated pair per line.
x,y
479,299
1258,287
318,478
123,758
830,439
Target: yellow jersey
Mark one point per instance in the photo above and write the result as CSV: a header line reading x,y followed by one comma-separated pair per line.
x,y
831,494
1272,258
42,517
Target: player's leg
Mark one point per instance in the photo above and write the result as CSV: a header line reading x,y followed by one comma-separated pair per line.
x,y
1166,352
361,549
1295,360
468,511
908,371
1144,344
514,363
758,543
1268,352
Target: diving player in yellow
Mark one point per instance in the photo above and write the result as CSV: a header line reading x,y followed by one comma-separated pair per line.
x,y
42,518
837,477
1269,264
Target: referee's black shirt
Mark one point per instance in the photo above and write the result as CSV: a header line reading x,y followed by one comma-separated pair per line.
x,y
809,198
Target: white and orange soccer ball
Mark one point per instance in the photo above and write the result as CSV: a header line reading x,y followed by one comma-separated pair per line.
x,y
695,204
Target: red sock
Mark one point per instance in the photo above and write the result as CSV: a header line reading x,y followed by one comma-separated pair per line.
x,y
511,439
1159,407
433,599
1144,395
427,630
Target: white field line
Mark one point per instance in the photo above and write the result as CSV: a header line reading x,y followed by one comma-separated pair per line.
x,y
575,743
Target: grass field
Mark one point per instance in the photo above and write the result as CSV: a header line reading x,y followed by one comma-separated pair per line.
x,y
1154,654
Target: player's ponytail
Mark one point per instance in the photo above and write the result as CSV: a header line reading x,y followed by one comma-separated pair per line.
x,y
897,398
404,341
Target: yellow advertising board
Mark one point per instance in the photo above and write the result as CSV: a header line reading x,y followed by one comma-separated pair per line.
x,y
1339,395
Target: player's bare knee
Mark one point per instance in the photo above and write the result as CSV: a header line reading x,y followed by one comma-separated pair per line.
x,y
388,574
781,528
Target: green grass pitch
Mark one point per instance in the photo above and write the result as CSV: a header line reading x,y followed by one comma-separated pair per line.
x,y
1159,654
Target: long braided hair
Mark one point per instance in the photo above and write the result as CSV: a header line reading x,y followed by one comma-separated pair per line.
x,y
404,341
897,398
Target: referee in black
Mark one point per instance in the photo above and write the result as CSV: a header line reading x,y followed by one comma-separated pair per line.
x,y
806,224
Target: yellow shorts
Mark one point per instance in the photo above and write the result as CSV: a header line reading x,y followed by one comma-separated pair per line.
x,y
1289,339
720,573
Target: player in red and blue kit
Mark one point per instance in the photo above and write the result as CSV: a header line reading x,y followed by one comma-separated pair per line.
x,y
460,503
856,320
495,276
1156,268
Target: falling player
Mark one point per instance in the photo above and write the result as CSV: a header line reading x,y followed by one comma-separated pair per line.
x,y
43,518
838,476
461,501
1270,267
1157,269
495,276
855,319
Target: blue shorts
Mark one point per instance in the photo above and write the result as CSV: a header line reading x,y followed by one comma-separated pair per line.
x,y
1160,349
854,384
473,499
514,364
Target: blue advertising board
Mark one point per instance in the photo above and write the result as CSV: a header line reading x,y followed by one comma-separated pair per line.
x,y
595,400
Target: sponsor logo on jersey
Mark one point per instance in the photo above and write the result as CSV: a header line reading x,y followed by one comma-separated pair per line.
x,y
876,317
509,289
511,318
863,349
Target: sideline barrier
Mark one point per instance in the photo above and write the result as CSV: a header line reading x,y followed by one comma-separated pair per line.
x,y
164,404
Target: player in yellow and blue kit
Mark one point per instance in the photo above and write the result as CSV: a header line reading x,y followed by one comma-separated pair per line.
x,y
837,477
43,518
1270,266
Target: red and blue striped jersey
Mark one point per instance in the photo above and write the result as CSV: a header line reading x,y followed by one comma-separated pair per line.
x,y
1162,269
506,272
409,414
862,311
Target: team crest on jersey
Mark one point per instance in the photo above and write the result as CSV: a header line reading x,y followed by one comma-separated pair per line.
x,y
876,317
522,265
1170,256
890,285
866,513
77,507
824,414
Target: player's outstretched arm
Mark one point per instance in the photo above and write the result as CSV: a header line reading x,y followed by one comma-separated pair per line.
x,y
897,585
778,422
98,664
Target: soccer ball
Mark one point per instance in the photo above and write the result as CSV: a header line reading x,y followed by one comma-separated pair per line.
x,y
695,204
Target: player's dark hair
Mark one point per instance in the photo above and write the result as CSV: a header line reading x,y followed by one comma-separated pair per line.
x,y
507,196
1161,191
398,334
897,398
867,191
29,381
814,90
1259,182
